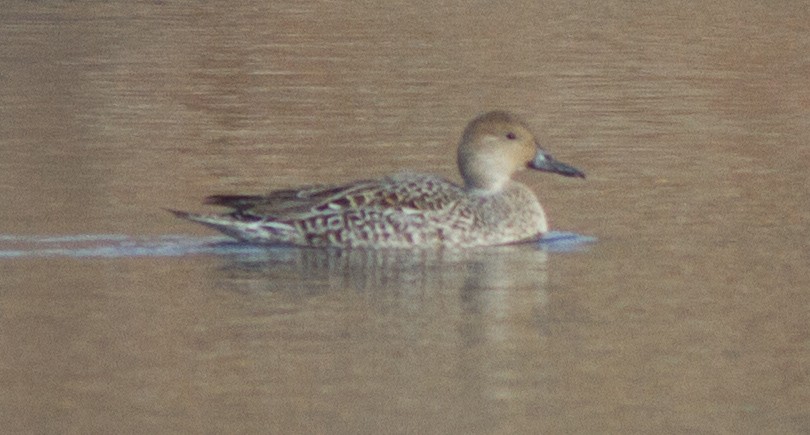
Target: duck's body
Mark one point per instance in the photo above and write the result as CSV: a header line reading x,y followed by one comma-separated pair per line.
x,y
408,210
400,211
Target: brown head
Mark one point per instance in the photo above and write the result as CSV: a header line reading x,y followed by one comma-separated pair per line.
x,y
497,144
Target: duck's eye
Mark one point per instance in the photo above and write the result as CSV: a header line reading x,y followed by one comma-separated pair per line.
x,y
511,136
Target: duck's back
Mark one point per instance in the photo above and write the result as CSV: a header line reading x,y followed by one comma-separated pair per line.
x,y
407,190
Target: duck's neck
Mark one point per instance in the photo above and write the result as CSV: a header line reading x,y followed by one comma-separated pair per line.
x,y
485,180
486,173
492,187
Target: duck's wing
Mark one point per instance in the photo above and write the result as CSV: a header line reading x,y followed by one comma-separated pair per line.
x,y
286,203
406,192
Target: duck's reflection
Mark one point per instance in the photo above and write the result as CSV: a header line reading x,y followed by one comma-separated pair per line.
x,y
477,311
477,275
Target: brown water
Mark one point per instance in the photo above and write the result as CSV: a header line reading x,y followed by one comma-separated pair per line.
x,y
690,315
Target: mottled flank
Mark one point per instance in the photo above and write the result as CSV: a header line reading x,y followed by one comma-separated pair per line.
x,y
408,210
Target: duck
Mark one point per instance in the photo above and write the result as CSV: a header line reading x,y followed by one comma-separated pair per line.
x,y
408,210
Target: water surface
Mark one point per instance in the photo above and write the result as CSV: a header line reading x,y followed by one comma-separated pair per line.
x,y
688,315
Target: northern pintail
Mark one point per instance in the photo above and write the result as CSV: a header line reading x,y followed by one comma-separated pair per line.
x,y
408,210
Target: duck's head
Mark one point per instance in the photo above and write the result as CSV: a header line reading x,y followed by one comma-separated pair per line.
x,y
495,145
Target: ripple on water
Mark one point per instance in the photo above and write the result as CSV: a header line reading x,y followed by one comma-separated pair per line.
x,y
120,245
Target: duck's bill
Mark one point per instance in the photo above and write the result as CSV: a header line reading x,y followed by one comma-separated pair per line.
x,y
546,163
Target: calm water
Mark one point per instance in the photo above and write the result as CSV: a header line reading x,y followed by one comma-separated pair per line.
x,y
690,315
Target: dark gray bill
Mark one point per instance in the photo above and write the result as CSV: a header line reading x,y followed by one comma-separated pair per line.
x,y
545,162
